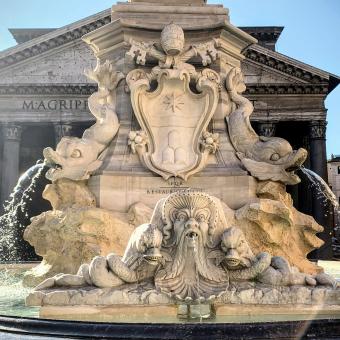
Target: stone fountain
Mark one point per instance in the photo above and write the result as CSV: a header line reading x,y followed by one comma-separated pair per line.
x,y
171,200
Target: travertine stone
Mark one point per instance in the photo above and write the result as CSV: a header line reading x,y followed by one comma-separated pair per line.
x,y
65,193
66,239
171,137
77,229
117,313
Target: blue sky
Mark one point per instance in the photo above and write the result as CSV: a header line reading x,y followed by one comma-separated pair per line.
x,y
311,34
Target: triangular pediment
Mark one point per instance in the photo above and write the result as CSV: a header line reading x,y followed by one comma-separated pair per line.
x,y
64,65
60,56
257,74
38,49
289,68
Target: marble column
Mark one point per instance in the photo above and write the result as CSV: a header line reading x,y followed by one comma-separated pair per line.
x,y
267,129
11,153
61,130
322,212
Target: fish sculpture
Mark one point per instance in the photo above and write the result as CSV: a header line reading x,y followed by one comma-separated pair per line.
x,y
266,158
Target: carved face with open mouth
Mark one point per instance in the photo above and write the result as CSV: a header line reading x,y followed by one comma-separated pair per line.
x,y
190,221
294,162
153,256
236,249
191,224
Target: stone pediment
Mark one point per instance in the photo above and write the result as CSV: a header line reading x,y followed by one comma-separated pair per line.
x,y
258,74
285,68
54,40
64,65
50,51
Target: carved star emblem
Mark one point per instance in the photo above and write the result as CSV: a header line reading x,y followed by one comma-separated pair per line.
x,y
173,102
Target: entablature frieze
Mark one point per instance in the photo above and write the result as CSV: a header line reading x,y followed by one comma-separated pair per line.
x,y
48,90
68,102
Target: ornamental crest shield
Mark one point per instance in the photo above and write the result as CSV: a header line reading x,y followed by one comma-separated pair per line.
x,y
174,119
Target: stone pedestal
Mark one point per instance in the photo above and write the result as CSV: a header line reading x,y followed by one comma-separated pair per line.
x,y
10,170
322,211
118,191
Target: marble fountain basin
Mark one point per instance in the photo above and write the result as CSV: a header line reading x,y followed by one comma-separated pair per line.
x,y
159,322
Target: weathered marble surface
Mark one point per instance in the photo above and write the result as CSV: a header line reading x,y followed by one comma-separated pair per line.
x,y
144,294
189,251
193,248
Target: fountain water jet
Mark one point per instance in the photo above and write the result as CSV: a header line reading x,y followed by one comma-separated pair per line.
x,y
226,235
321,186
25,202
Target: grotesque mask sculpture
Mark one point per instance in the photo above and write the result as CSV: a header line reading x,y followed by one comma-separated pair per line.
x,y
192,223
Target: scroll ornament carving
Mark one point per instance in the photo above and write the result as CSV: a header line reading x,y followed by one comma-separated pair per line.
x,y
174,141
266,158
189,252
77,158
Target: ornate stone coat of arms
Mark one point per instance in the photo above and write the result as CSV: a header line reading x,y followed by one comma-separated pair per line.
x,y
174,141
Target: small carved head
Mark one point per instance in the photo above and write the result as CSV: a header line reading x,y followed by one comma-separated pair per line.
x,y
172,39
150,245
236,248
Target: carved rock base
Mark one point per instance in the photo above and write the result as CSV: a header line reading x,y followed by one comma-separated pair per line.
x,y
66,239
138,295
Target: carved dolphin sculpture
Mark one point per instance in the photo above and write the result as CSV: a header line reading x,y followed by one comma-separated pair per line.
x,y
76,158
265,158
241,264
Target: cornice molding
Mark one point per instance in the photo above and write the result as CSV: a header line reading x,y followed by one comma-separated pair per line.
x,y
284,67
88,89
54,42
34,89
287,89
263,33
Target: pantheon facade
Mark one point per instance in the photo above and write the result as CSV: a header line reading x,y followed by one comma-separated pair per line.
x,y
43,97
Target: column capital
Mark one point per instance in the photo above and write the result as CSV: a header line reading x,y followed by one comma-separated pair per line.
x,y
317,129
267,129
61,130
12,132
